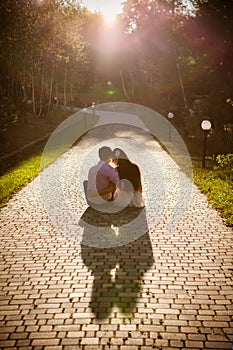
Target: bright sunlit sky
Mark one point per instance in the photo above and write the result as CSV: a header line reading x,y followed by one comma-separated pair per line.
x,y
109,8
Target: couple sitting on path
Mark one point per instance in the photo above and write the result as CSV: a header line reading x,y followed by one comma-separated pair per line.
x,y
115,178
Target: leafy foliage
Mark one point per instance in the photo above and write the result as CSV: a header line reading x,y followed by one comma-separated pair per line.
x,y
225,165
164,54
41,45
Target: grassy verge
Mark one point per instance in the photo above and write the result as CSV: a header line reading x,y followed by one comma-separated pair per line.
x,y
35,128
18,177
16,137
217,187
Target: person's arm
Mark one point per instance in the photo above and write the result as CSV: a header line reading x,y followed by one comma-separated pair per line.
x,y
107,190
92,190
113,175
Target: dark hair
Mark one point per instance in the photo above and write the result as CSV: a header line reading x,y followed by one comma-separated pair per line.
x,y
127,170
118,153
105,153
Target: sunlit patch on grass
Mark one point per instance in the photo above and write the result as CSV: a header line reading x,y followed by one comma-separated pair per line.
x,y
218,189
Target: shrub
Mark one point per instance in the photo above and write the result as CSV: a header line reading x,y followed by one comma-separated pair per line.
x,y
225,164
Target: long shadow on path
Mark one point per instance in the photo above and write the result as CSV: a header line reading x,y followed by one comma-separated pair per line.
x,y
129,261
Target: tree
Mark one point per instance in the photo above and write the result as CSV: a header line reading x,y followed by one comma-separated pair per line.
x,y
209,36
41,44
155,28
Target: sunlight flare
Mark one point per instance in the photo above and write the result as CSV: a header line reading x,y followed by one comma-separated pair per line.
x,y
109,9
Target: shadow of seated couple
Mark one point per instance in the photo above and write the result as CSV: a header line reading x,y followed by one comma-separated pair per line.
x,y
116,247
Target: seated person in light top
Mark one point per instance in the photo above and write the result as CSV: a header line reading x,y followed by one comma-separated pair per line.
x,y
102,178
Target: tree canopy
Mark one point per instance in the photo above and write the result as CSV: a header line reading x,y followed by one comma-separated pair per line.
x,y
171,55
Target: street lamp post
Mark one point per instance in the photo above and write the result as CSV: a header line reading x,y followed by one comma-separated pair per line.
x,y
85,118
170,116
206,126
93,108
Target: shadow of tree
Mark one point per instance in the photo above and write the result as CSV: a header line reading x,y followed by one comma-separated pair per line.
x,y
130,261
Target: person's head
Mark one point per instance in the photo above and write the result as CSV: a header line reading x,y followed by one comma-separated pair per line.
x,y
119,154
105,153
126,169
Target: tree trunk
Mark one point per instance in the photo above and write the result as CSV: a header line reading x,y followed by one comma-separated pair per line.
x,y
56,89
12,86
132,83
51,87
71,96
33,93
24,90
1,90
24,85
123,85
65,85
41,90
151,82
181,80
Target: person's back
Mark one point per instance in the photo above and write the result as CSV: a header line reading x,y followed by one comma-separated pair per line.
x,y
129,191
130,171
102,178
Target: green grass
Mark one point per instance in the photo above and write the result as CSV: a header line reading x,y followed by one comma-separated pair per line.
x,y
18,177
24,172
16,137
217,187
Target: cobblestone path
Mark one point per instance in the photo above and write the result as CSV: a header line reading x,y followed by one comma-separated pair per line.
x,y
166,285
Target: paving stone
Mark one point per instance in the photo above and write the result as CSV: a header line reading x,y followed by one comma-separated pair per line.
x,y
169,287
